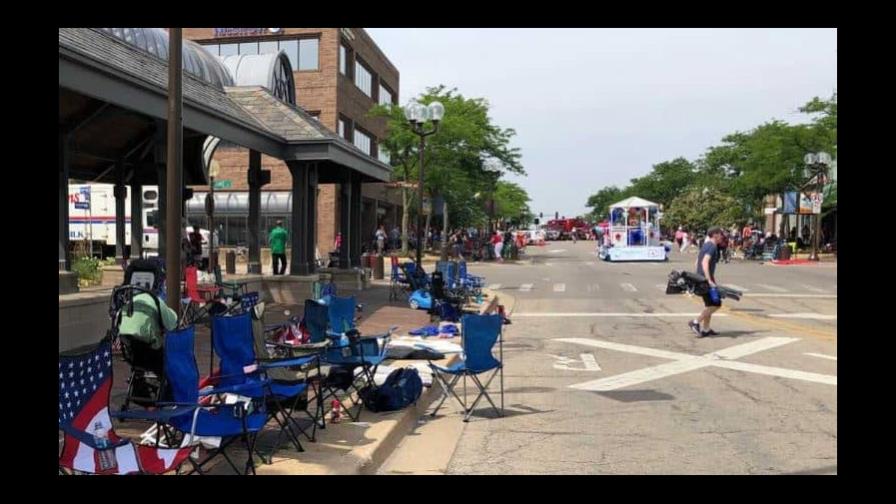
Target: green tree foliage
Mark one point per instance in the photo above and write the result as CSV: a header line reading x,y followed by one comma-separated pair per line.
x,y
511,202
699,209
744,168
601,201
461,159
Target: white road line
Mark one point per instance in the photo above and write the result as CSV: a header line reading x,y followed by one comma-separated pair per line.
x,y
772,287
609,314
642,375
776,371
548,264
621,347
807,316
737,287
685,362
494,286
795,296
822,356
557,251
738,351
628,287
526,287
559,287
590,362
814,289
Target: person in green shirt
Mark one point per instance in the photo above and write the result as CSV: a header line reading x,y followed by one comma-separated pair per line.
x,y
277,241
143,324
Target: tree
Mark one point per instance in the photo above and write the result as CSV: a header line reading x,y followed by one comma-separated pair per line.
x,y
511,202
458,158
665,181
700,209
600,201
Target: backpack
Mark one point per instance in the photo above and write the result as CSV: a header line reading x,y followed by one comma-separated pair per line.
x,y
401,388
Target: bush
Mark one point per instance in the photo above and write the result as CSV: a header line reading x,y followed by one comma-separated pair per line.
x,y
88,270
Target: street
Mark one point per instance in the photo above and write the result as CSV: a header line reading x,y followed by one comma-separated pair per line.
x,y
603,376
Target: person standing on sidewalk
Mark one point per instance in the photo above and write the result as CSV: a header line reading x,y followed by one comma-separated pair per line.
x,y
706,266
380,236
498,242
277,241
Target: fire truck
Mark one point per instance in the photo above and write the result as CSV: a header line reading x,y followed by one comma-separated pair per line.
x,y
564,228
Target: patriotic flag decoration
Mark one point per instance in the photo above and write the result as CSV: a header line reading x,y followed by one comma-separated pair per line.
x,y
85,382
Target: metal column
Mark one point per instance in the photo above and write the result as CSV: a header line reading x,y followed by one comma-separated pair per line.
x,y
64,256
298,232
344,222
174,181
120,193
254,212
136,219
355,221
310,228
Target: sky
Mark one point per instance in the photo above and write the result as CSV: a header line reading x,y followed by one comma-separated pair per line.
x,y
598,107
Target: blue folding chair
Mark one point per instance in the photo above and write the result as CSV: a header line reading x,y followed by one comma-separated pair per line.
x,y
348,350
238,421
479,334
235,345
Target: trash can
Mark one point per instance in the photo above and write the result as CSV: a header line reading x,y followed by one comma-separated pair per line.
x,y
230,265
785,252
378,266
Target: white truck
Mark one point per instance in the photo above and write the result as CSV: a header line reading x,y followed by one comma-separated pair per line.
x,y
91,214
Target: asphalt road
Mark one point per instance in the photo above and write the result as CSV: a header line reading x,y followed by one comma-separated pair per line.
x,y
603,375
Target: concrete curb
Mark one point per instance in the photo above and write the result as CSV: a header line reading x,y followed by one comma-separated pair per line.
x,y
367,459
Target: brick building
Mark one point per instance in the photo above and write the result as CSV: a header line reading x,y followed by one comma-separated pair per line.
x,y
339,75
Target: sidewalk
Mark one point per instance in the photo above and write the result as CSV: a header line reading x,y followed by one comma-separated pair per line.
x,y
344,448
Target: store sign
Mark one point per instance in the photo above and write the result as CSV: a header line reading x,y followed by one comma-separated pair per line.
x,y
242,32
810,203
223,184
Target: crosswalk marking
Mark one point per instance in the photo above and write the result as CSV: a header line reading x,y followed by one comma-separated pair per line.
x,y
494,286
772,287
807,316
628,287
559,287
526,287
822,356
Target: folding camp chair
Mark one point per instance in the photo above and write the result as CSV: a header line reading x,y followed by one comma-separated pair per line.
x,y
399,285
85,384
267,350
349,351
240,420
235,346
231,289
479,335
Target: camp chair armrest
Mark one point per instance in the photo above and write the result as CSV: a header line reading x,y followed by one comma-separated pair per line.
x,y
159,415
235,388
296,361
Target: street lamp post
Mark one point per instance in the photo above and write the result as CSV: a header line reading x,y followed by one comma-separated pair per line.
x,y
417,114
817,167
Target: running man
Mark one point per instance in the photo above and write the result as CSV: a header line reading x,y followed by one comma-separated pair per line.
x,y
706,266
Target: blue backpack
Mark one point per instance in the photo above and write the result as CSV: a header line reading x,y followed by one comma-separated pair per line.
x,y
401,389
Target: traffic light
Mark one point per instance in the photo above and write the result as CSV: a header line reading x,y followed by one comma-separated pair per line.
x,y
541,215
556,215
537,222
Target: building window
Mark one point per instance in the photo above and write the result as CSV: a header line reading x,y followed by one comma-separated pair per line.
x,y
343,60
268,46
363,141
386,96
229,49
308,54
343,130
363,78
249,48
